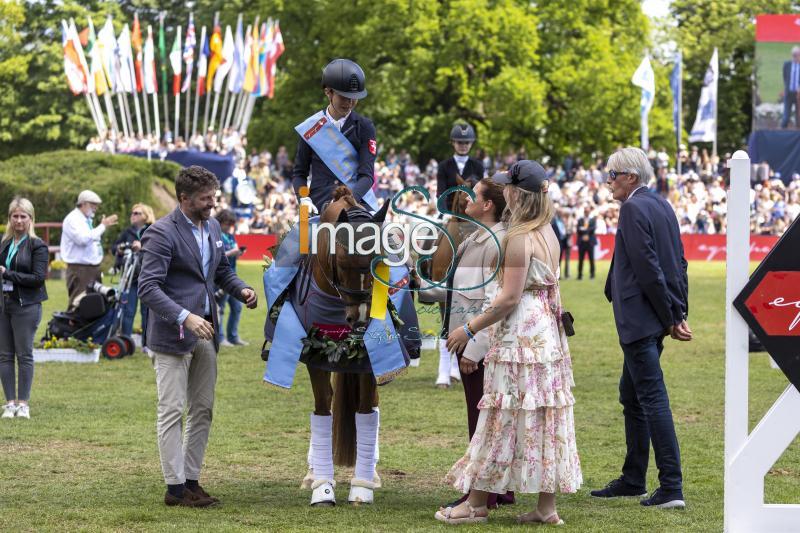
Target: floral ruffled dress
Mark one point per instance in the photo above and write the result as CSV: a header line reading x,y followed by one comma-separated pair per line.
x,y
525,438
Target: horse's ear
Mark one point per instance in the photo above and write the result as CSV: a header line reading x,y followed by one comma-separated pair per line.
x,y
343,216
380,216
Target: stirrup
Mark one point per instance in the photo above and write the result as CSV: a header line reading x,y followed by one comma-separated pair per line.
x,y
323,494
361,491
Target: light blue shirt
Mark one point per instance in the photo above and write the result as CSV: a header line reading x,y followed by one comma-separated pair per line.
x,y
201,237
794,78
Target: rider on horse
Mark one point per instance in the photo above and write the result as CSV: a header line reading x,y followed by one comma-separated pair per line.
x,y
344,85
313,293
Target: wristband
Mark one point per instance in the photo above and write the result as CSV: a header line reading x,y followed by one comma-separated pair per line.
x,y
469,332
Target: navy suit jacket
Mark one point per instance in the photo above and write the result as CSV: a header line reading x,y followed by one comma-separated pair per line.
x,y
360,131
647,283
787,71
172,279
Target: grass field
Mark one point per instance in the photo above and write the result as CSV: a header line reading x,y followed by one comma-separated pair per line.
x,y
88,460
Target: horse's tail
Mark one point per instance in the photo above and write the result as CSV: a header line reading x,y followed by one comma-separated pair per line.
x,y
346,395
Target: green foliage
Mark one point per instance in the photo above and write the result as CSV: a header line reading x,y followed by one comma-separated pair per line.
x,y
728,25
53,180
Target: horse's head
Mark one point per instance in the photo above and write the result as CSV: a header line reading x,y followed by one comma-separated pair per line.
x,y
349,275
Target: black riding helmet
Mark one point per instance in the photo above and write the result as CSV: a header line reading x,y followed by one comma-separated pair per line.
x,y
346,78
462,132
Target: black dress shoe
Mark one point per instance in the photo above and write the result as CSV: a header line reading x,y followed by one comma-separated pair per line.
x,y
662,499
190,499
618,488
201,493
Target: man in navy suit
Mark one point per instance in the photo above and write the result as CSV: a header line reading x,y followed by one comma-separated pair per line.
x,y
648,287
791,86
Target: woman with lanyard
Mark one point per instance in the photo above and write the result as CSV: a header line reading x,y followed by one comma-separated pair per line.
x,y
23,268
141,218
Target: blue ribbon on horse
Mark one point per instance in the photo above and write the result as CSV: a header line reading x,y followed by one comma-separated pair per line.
x,y
334,150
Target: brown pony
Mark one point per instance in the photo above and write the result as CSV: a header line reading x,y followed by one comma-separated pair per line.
x,y
348,277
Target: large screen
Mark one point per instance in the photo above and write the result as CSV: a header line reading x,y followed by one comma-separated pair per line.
x,y
776,102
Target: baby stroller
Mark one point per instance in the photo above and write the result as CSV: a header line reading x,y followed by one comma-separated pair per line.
x,y
98,315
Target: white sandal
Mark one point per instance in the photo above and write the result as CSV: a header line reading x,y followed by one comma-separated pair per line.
x,y
544,520
443,515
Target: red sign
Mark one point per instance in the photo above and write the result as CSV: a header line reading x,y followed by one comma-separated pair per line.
x,y
778,28
695,247
775,303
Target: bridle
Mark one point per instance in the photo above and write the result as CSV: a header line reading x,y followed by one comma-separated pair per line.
x,y
347,295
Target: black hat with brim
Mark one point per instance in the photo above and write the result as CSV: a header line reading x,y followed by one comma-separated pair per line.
x,y
526,174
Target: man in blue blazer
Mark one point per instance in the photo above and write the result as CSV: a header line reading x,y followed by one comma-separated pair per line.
x,y
648,287
183,258
791,86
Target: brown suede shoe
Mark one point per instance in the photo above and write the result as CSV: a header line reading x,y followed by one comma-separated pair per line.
x,y
190,499
201,493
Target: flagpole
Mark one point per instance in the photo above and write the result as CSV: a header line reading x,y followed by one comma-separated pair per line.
x,y
128,113
716,97
224,105
111,115
99,110
248,114
93,112
155,111
138,113
214,111
122,115
163,68
187,118
197,84
146,111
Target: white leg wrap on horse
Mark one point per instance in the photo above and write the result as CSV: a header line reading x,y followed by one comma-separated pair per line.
x,y
376,480
322,447
444,364
366,441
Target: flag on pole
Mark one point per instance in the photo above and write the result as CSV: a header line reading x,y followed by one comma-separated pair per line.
x,y
127,77
107,44
162,53
95,61
215,55
239,63
76,78
175,61
149,71
276,50
261,72
252,46
705,124
675,84
202,66
227,60
136,41
76,43
188,53
645,78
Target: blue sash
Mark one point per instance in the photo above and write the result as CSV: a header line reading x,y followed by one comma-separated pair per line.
x,y
334,150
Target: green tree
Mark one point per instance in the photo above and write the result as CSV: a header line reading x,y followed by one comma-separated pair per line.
x,y
727,25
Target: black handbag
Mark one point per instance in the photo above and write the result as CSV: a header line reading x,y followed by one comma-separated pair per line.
x,y
568,322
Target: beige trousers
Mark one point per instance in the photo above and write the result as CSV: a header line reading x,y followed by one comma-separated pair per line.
x,y
185,382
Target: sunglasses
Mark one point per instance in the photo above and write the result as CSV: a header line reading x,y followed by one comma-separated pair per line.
x,y
613,174
137,213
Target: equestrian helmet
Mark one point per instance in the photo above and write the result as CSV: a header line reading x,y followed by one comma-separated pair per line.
x,y
462,132
346,78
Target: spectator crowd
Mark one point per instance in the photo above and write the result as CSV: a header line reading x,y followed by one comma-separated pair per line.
x,y
697,192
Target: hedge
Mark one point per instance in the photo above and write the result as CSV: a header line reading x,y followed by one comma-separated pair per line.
x,y
52,181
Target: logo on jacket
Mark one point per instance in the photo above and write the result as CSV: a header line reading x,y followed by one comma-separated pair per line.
x,y
373,147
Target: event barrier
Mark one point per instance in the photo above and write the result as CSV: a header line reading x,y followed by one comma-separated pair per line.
x,y
696,247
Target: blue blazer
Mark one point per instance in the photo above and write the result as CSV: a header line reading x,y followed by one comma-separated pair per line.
x,y
647,283
360,131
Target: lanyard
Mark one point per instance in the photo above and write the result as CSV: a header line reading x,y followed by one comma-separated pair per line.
x,y
12,250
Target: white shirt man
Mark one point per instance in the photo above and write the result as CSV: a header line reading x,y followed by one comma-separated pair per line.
x,y
81,248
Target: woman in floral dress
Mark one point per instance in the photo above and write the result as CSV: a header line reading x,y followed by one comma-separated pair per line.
x,y
525,439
